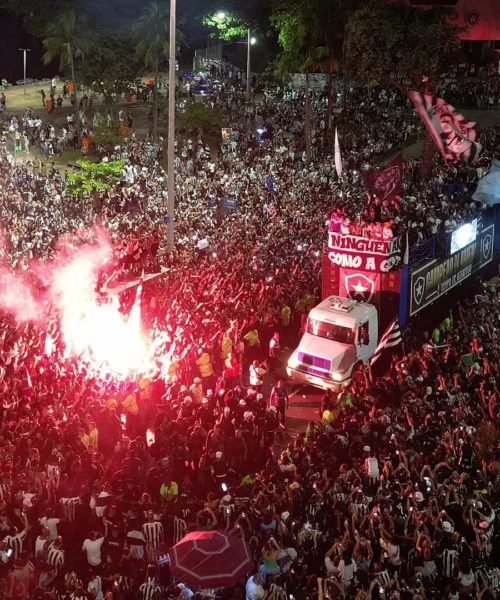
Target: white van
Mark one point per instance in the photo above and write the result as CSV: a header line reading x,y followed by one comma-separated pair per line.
x,y
340,334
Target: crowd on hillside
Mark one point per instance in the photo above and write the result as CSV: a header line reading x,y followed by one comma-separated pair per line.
x,y
392,492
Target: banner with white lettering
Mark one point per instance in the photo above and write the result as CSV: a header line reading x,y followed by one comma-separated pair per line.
x,y
429,282
365,254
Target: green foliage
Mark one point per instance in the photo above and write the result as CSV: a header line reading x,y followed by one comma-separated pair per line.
x,y
198,115
94,177
37,14
111,69
107,132
225,26
67,37
152,34
387,37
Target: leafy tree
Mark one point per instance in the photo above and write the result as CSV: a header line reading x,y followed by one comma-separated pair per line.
x,y
94,177
296,41
327,64
66,38
198,115
225,26
383,38
107,132
112,68
153,35
37,14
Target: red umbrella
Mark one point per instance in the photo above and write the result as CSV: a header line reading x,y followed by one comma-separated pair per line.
x,y
210,559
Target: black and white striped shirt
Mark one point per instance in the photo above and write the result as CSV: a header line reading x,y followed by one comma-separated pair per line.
x,y
180,528
153,532
55,558
15,543
448,562
149,588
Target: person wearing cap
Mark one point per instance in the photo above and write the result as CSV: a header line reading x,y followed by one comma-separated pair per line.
x,y
257,374
196,391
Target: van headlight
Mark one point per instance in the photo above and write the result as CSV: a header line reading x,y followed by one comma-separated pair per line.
x,y
293,361
338,375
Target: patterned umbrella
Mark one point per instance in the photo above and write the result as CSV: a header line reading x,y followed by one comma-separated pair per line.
x,y
210,559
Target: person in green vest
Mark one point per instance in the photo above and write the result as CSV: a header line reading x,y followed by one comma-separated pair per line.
x,y
285,316
436,334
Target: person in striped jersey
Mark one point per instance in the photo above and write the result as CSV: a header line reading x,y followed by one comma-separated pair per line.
x,y
15,539
55,555
153,531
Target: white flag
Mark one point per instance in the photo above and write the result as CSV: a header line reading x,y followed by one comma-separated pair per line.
x,y
338,158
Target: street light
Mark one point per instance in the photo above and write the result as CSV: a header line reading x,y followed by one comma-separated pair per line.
x,y
171,131
221,15
249,45
24,50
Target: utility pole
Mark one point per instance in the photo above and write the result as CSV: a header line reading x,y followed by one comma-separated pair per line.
x,y
24,50
249,44
171,131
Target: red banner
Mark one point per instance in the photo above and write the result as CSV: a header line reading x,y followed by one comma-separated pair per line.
x,y
454,136
358,285
386,183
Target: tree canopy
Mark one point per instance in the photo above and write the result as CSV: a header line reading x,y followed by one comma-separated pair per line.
x,y
94,177
112,68
384,38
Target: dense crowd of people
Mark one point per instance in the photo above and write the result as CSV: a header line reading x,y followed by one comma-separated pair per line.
x,y
393,491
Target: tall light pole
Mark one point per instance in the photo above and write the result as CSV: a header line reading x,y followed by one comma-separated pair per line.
x,y
249,45
24,50
171,132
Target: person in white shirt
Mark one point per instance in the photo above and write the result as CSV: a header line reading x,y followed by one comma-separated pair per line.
x,y
92,546
254,589
371,466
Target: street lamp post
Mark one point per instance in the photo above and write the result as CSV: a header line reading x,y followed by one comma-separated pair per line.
x,y
249,44
24,50
171,131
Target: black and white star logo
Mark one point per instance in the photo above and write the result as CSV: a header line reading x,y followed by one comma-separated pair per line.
x,y
487,246
418,290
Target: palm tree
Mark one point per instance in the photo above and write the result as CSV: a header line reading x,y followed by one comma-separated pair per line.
x,y
68,37
153,37
328,65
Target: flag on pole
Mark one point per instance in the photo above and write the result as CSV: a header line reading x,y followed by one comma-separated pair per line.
x,y
338,157
385,183
392,337
488,188
454,136
406,257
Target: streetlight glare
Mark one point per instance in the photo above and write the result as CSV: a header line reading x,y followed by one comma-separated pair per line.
x,y
221,15
253,41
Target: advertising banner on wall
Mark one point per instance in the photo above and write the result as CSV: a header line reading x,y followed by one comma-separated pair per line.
x,y
435,278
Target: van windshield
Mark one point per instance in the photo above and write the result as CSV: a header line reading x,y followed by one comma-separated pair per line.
x,y
329,331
